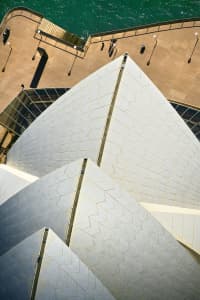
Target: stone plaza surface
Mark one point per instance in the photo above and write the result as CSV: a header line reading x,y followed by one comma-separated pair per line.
x,y
169,68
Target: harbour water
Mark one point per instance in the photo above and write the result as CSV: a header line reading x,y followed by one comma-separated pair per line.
x,y
91,16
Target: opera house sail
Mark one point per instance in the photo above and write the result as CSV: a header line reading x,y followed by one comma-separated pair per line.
x,y
105,196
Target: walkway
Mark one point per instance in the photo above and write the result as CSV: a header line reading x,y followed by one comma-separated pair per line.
x,y
167,49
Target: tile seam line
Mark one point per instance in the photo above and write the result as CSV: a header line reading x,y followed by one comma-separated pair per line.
x,y
39,265
75,203
111,109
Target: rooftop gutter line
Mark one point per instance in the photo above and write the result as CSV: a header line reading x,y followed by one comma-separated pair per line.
x,y
111,109
39,264
75,204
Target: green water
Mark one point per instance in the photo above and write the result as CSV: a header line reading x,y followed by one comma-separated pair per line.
x,y
84,17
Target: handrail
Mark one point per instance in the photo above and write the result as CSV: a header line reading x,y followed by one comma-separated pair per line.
x,y
68,43
18,8
100,34
176,21
9,15
10,11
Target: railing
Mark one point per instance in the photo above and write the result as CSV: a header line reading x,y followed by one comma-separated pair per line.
x,y
46,27
57,33
63,41
146,29
20,11
176,21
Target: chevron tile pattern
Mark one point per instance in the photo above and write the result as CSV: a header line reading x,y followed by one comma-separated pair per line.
x,y
62,274
47,202
126,247
96,194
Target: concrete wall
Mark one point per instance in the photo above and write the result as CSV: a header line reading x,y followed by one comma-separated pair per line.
x,y
182,223
128,250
